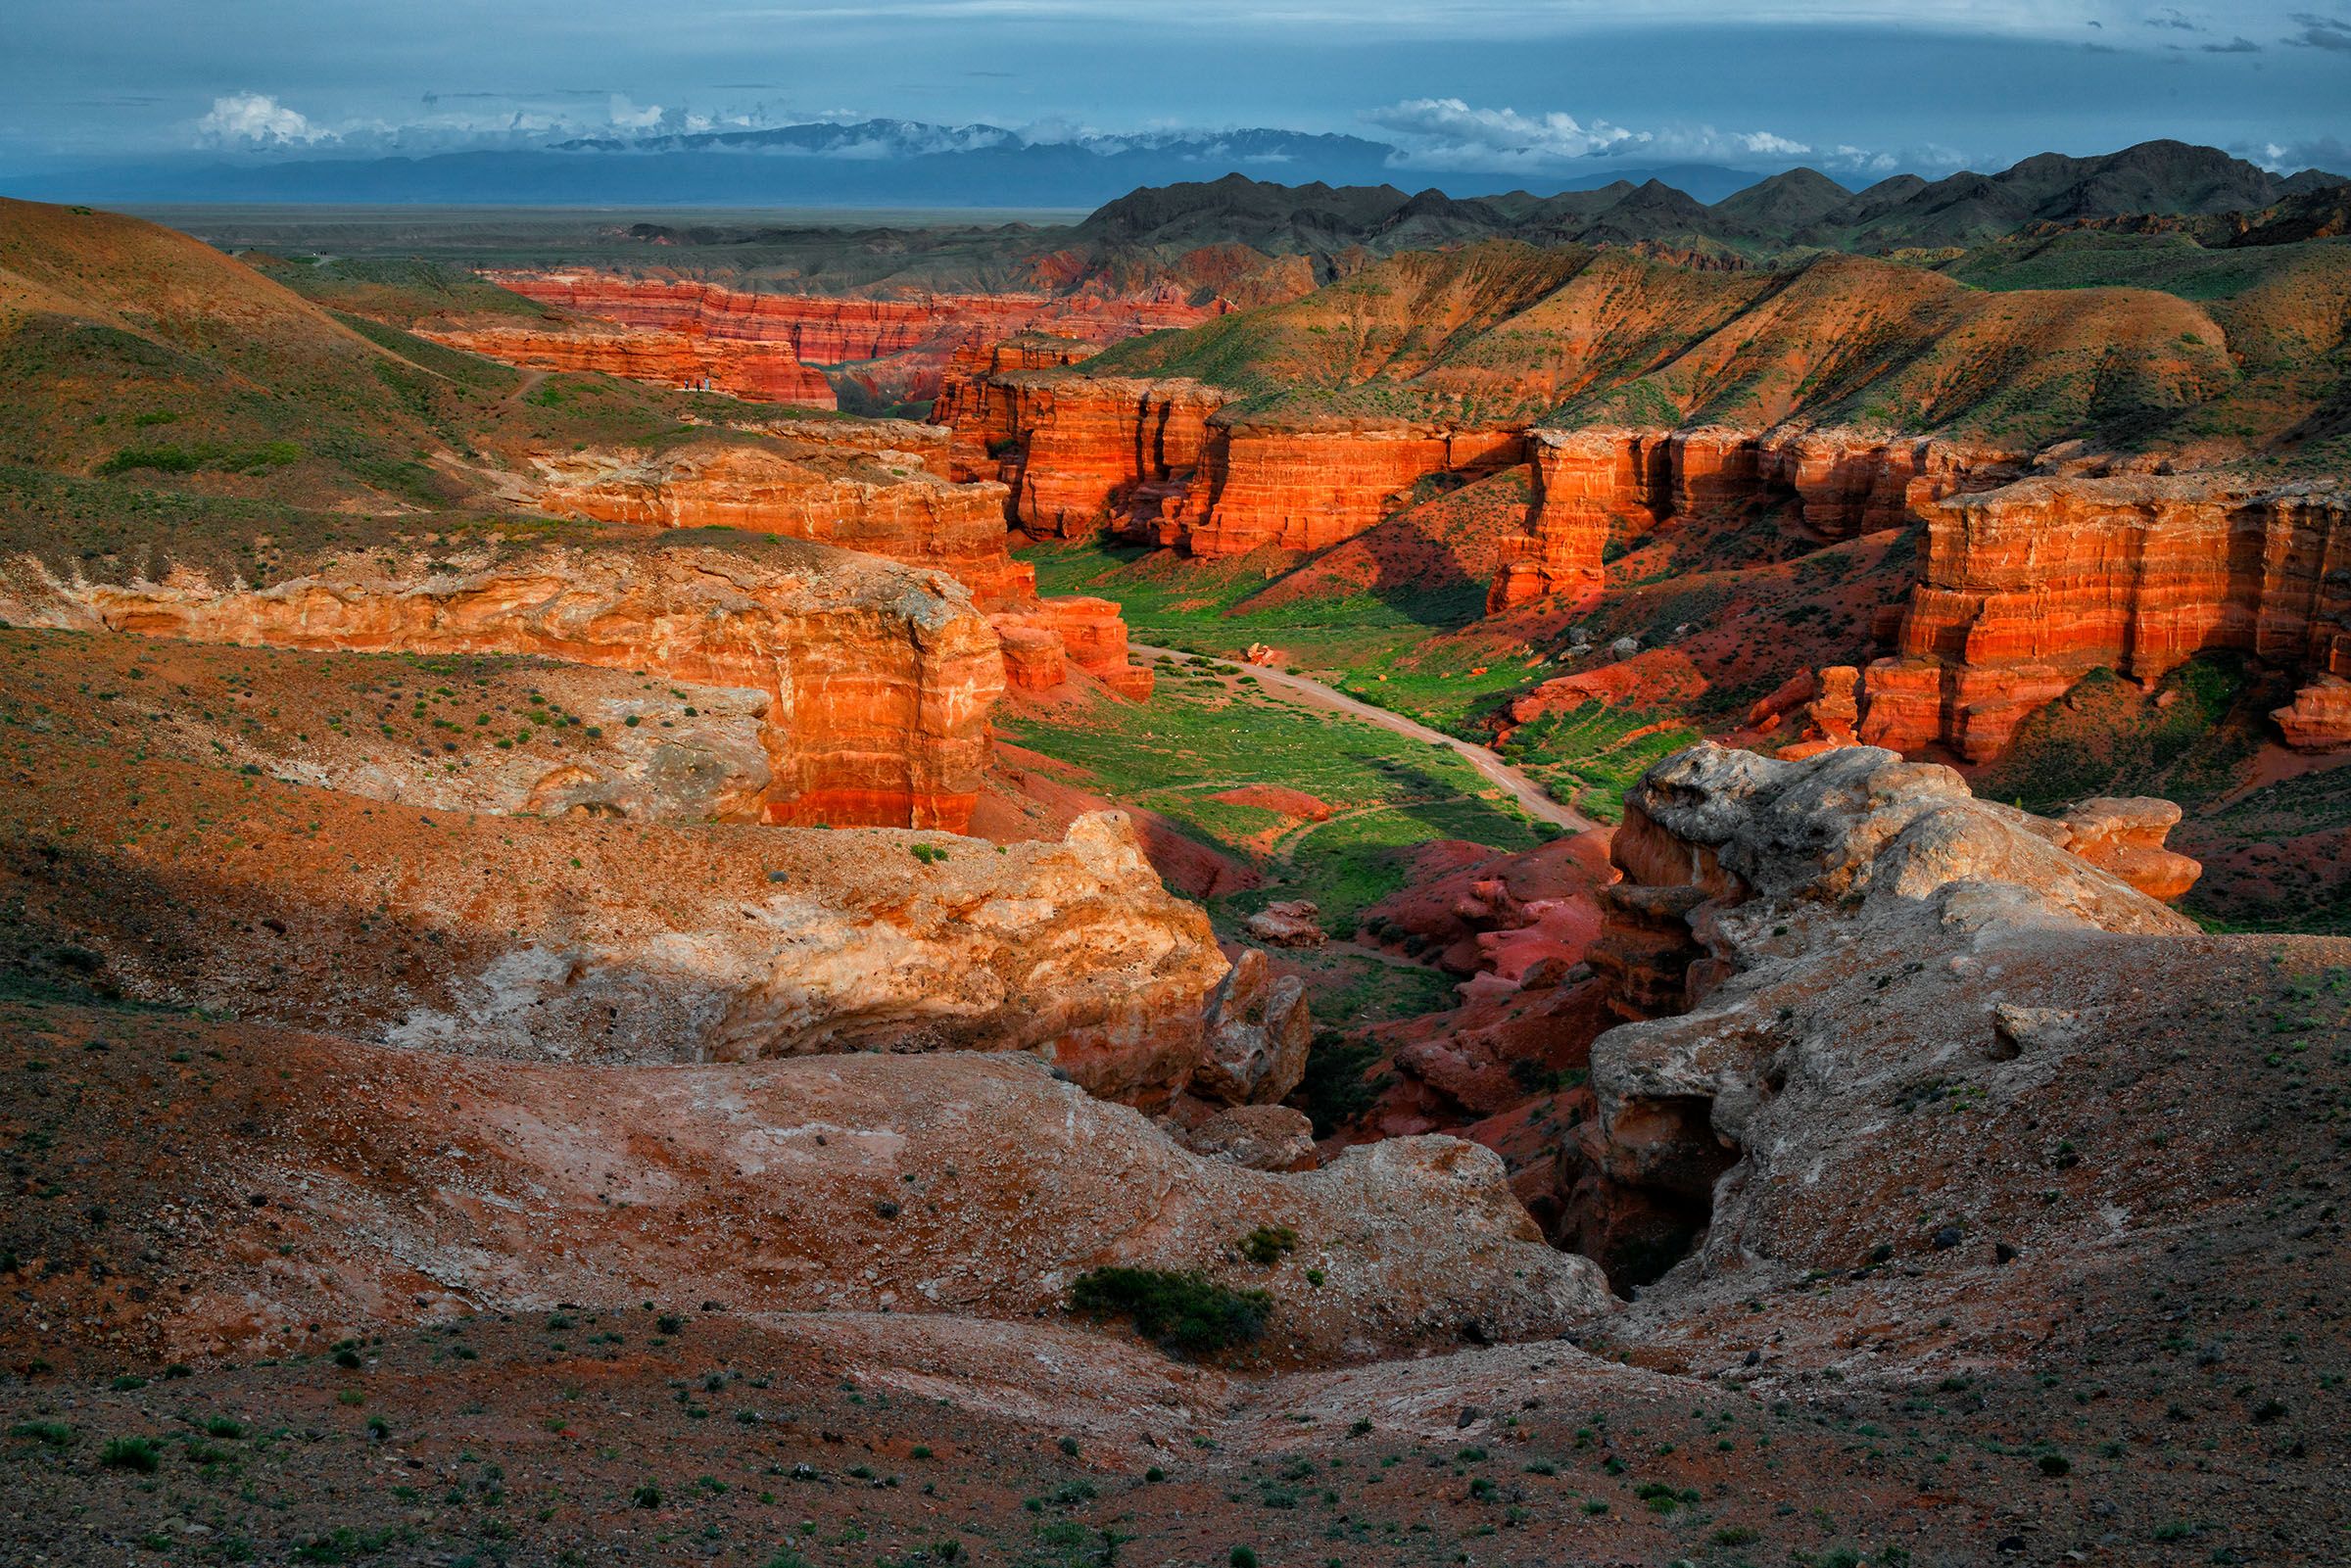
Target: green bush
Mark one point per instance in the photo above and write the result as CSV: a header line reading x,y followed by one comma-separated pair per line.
x,y
142,1455
1267,1244
1186,1312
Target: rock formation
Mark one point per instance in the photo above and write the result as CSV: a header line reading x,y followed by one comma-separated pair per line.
x,y
882,502
1049,637
1258,1028
1601,484
878,681
899,348
1278,487
400,1187
2319,719
763,372
980,400
2026,589
1087,444
1760,897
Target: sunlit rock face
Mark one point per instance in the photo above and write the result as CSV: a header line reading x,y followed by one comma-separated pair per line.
x,y
879,680
2026,588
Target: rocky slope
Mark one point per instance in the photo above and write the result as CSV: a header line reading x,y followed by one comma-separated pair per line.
x,y
399,1187
1758,898
607,931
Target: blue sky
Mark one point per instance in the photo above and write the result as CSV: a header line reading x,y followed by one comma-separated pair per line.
x,y
1855,86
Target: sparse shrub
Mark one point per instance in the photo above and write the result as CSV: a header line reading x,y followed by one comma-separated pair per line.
x,y
142,1455
1267,1244
1185,1313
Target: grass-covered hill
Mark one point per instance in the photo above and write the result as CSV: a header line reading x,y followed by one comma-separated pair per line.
x,y
2140,341
165,402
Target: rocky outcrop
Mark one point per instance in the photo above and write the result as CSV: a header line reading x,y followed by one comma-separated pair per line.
x,y
1262,1137
1286,489
636,943
1052,636
400,1188
1811,711
980,400
1258,1030
2319,719
2027,589
1288,922
2123,836
1151,460
1590,485
1847,924
878,681
882,502
840,482
1657,946
763,372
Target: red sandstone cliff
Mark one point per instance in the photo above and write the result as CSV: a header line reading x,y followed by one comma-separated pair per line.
x,y
878,681
1605,483
2027,589
844,485
876,502
764,372
901,347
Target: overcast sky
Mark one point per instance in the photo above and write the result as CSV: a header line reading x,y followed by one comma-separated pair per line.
x,y
1855,85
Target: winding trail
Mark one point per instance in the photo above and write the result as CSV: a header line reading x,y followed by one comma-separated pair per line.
x,y
1315,695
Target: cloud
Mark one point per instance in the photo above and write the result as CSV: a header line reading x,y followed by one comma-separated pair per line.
x,y
2321,32
2288,158
1448,133
1451,134
626,115
256,120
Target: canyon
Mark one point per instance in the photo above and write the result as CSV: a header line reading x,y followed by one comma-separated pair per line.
x,y
2030,580
647,944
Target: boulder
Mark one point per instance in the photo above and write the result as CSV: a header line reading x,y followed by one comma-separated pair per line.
x,y
1256,1031
1260,1138
1288,922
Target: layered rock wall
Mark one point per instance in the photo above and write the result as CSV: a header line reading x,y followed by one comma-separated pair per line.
x,y
2026,589
1089,442
762,373
1597,484
888,506
879,680
1302,490
901,348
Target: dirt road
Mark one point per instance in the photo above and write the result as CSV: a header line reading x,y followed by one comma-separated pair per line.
x,y
1315,695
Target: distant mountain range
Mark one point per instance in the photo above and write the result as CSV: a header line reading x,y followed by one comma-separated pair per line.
x,y
1800,209
874,163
